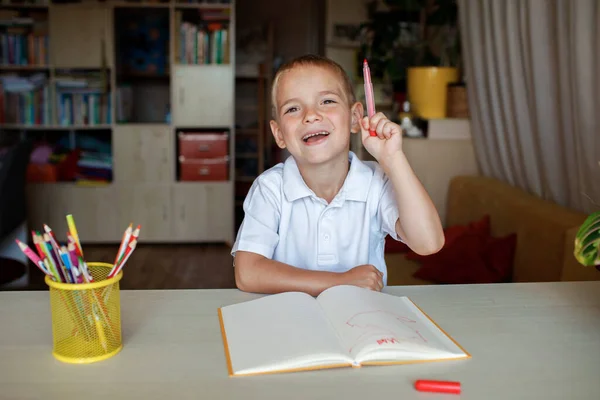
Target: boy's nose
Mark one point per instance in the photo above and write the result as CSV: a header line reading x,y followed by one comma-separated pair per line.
x,y
311,115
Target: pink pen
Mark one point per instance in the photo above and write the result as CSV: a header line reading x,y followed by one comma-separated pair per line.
x,y
369,93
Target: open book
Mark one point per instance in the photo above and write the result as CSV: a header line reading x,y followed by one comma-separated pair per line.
x,y
345,326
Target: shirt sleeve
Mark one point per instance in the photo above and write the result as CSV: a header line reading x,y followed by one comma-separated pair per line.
x,y
388,210
259,230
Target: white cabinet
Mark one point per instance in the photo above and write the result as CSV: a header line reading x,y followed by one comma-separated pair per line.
x,y
94,212
93,209
143,153
202,213
203,95
148,205
79,36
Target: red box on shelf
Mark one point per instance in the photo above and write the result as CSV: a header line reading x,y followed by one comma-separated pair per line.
x,y
203,169
195,145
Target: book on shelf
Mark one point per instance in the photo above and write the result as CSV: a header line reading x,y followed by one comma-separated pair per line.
x,y
25,100
23,38
82,100
205,42
94,165
345,326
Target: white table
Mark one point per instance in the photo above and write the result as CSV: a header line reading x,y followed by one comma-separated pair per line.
x,y
528,341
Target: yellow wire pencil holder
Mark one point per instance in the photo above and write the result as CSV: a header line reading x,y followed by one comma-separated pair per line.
x,y
86,317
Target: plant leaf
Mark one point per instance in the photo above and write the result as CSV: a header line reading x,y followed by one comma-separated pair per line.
x,y
587,241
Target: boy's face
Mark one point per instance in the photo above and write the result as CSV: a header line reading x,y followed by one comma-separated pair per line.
x,y
314,119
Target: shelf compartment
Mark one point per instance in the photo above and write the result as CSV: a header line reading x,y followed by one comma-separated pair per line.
x,y
203,154
202,36
82,97
142,61
61,156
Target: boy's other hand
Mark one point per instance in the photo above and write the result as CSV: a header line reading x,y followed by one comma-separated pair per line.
x,y
365,276
388,141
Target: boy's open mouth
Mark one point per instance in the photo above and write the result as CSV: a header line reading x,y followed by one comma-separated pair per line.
x,y
314,137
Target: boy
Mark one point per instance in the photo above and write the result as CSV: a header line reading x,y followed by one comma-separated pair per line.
x,y
320,218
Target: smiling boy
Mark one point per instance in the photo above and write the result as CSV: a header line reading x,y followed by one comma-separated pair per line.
x,y
320,218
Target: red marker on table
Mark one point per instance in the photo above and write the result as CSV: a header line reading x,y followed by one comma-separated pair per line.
x,y
424,385
369,93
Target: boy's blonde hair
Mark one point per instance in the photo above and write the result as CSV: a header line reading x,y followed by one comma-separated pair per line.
x,y
318,61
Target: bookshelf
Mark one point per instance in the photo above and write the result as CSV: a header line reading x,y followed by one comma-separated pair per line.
x,y
115,94
253,110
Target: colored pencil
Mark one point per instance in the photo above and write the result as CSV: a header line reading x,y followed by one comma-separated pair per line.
x,y
369,97
35,259
123,246
117,268
73,231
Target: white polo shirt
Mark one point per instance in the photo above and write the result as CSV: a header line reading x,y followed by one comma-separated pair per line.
x,y
285,221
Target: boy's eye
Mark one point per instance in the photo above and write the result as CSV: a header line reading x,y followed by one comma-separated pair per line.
x,y
329,101
291,109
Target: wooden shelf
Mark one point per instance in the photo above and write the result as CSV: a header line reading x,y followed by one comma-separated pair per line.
x,y
143,76
56,127
246,155
181,65
209,6
25,6
145,4
253,108
247,132
250,78
143,187
24,67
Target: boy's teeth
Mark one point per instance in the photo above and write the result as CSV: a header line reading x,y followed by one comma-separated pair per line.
x,y
305,138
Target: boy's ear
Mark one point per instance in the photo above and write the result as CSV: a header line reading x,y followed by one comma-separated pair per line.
x,y
277,134
357,112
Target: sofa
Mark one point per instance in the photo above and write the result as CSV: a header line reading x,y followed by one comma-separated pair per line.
x,y
537,238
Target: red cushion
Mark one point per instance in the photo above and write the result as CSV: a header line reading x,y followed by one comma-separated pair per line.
x,y
452,233
481,226
394,246
470,258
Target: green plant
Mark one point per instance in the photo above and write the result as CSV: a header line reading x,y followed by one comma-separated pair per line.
x,y
409,33
587,241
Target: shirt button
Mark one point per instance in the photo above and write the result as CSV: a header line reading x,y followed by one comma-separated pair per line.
x,y
326,237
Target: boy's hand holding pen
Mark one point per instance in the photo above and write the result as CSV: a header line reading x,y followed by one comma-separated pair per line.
x,y
369,96
381,137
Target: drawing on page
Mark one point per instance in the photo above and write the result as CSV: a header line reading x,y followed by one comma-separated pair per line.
x,y
396,329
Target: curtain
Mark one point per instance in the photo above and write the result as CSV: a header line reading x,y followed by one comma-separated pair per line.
x,y
532,69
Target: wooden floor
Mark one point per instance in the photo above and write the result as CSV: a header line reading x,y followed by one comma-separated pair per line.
x,y
197,266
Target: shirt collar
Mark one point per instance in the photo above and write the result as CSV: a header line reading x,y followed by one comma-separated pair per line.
x,y
355,187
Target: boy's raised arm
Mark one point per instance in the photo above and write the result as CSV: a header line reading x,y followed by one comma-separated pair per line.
x,y
258,274
418,223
